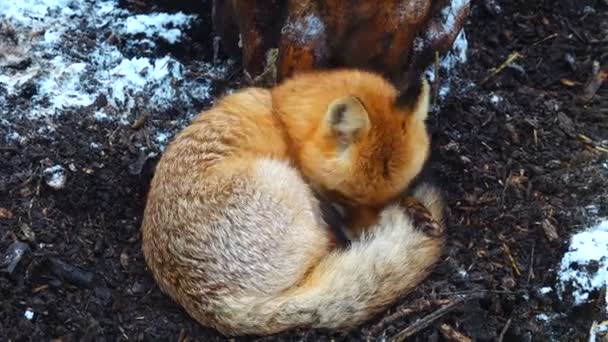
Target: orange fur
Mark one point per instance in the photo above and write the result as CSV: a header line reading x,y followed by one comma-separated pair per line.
x,y
380,165
233,231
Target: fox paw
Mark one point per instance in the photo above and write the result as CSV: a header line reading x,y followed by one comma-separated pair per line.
x,y
421,217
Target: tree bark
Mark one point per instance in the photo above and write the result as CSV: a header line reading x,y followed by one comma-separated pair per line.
x,y
277,38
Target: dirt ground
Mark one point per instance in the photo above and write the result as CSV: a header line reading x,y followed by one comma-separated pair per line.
x,y
517,157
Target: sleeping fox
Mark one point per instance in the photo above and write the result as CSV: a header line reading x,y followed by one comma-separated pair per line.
x,y
233,229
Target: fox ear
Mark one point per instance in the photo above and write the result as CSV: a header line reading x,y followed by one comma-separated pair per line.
x,y
347,120
415,98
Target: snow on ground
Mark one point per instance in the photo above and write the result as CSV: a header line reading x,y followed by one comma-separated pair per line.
x,y
64,55
584,266
304,30
456,56
55,176
156,25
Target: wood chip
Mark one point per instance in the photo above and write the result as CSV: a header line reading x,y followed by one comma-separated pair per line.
x,y
452,334
6,214
140,121
124,259
594,84
514,264
568,83
27,232
550,230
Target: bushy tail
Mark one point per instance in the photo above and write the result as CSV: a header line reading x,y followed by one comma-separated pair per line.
x,y
350,286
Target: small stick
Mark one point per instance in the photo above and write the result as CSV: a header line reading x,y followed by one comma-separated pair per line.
x,y
512,57
545,39
531,268
589,142
140,121
511,258
430,318
375,330
401,313
501,337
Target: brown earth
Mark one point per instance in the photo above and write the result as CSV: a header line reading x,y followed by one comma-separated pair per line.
x,y
521,174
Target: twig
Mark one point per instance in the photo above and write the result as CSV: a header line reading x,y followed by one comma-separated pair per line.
x,y
507,251
512,57
501,337
531,267
551,36
403,312
501,292
576,33
430,318
504,189
375,330
589,142
141,120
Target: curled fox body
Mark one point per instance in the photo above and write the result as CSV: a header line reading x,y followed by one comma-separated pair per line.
x,y
233,231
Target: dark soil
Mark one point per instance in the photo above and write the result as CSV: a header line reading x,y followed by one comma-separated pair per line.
x,y
510,170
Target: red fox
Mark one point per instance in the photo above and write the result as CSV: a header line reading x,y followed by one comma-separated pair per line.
x,y
233,229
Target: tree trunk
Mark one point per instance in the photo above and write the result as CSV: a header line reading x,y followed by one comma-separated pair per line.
x,y
277,38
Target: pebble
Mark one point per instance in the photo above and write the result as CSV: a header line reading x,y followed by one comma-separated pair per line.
x,y
13,254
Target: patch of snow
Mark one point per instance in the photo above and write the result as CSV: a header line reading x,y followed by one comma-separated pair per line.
x,y
588,10
14,136
164,25
449,12
62,86
100,116
28,314
495,99
55,176
585,265
74,61
456,56
592,210
542,317
51,37
545,290
458,53
162,139
95,146
463,273
444,90
140,74
29,12
305,29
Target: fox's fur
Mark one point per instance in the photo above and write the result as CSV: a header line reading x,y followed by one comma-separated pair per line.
x,y
232,230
